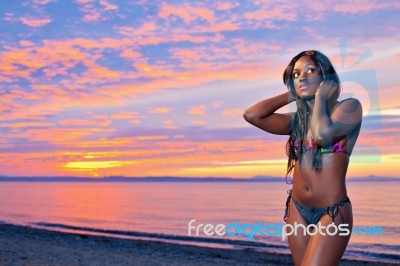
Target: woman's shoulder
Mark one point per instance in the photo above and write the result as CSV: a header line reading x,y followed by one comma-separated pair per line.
x,y
352,103
348,111
349,105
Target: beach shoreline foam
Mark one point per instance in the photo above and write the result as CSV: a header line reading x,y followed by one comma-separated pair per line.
x,y
27,245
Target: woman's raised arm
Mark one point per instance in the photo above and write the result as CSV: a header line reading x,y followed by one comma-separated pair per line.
x,y
262,114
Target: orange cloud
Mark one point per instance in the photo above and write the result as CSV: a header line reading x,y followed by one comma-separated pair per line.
x,y
60,136
26,124
100,72
233,112
198,110
159,110
198,122
147,138
130,54
154,71
238,159
134,121
96,165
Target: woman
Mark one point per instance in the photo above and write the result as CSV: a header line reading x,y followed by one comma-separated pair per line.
x,y
322,134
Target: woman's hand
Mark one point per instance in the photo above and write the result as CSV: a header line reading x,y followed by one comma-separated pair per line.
x,y
326,89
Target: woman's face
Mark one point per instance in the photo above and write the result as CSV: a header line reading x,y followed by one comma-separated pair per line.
x,y
306,77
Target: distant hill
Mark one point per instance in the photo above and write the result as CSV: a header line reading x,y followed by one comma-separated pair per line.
x,y
176,179
373,178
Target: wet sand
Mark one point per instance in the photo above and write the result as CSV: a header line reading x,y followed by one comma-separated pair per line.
x,y
28,246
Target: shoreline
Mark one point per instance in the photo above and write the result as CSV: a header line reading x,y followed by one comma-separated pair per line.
x,y
27,245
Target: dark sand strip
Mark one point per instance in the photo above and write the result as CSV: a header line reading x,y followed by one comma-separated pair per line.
x,y
28,246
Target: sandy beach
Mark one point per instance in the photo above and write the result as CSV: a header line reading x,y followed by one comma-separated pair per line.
x,y
28,246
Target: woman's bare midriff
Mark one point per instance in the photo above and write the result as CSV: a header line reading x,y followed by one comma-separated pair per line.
x,y
324,188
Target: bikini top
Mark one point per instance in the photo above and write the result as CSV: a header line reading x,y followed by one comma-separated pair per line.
x,y
336,147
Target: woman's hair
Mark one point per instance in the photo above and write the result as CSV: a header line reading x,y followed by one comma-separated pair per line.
x,y
300,121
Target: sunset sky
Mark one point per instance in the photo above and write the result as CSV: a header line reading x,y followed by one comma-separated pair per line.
x,y
158,88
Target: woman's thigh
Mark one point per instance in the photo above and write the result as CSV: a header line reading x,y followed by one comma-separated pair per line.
x,y
297,243
328,249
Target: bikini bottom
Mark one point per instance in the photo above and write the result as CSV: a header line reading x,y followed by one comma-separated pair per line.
x,y
313,214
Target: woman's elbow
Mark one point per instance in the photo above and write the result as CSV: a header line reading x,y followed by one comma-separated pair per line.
x,y
248,116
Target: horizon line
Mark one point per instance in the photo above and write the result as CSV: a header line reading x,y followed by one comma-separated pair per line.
x,y
132,178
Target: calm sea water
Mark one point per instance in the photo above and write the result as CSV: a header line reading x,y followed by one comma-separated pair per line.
x,y
166,208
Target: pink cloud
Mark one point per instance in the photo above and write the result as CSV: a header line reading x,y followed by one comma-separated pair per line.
x,y
108,6
269,15
187,13
67,54
60,135
186,54
169,124
363,6
226,5
168,10
217,104
26,43
146,28
32,22
92,15
224,26
124,115
73,122
42,2
98,121
203,13
26,124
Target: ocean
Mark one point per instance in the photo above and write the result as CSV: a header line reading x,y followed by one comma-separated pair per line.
x,y
162,211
